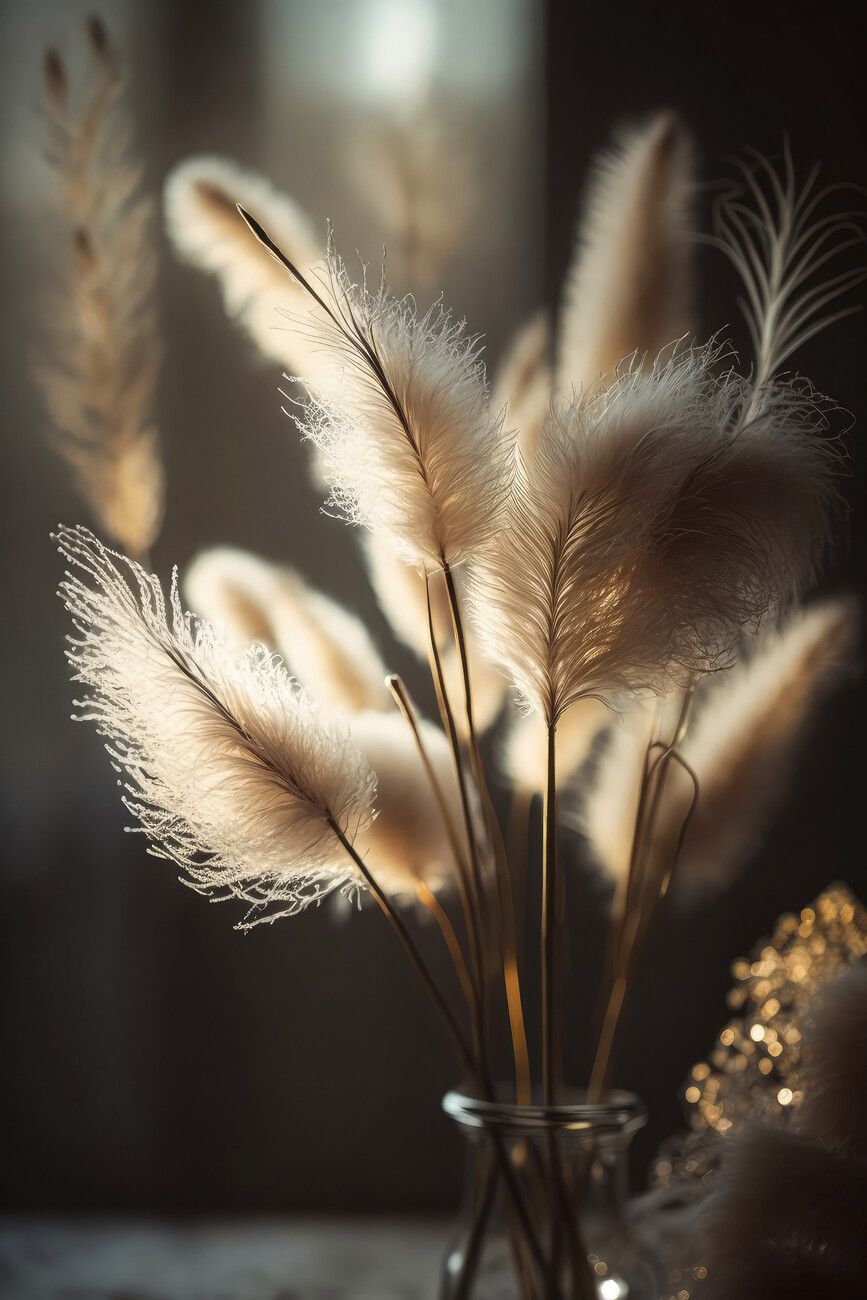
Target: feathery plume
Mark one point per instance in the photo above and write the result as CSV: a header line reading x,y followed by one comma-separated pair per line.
x,y
407,842
777,241
99,377
629,288
232,772
608,808
400,591
835,1064
201,206
407,441
651,526
324,646
524,381
418,182
787,1220
524,755
745,739
748,725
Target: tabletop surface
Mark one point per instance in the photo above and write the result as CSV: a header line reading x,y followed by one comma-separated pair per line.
x,y
298,1259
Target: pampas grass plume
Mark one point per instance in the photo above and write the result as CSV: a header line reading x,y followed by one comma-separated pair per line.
x,y
648,530
201,206
232,772
630,286
328,649
407,842
99,366
524,381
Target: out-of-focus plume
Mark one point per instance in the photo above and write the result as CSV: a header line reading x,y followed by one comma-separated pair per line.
x,y
98,367
524,381
408,841
630,288
202,196
325,647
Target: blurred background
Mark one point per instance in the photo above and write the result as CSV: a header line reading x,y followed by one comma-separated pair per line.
x,y
153,1059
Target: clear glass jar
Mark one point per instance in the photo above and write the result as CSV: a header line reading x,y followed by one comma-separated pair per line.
x,y
544,1213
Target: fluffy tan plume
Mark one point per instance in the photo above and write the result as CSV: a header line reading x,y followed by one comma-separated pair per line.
x,y
407,440
325,647
407,842
201,198
630,285
422,189
232,772
746,737
525,748
750,721
400,591
524,382
99,371
652,525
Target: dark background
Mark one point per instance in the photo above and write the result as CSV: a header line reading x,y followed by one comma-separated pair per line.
x,y
152,1058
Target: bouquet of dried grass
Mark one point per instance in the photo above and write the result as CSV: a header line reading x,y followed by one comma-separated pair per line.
x,y
620,539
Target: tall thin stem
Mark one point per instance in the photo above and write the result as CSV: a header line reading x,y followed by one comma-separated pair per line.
x,y
549,918
416,960
508,928
431,903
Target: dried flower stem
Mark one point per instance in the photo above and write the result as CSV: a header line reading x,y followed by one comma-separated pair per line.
x,y
642,894
416,960
549,919
431,903
477,912
507,929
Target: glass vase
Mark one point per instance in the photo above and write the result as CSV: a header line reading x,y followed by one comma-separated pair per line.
x,y
544,1211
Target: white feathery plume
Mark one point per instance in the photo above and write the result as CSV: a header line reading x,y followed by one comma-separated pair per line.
x,y
407,440
778,239
201,206
524,754
233,772
834,1064
629,288
328,649
524,381
741,747
407,842
99,376
745,740
653,524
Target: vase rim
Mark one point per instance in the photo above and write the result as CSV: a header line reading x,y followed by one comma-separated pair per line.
x,y
618,1112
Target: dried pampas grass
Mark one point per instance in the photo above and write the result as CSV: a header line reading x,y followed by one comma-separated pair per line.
x,y
408,841
201,206
422,189
741,747
835,1064
407,441
232,771
787,1221
524,381
98,378
651,526
630,286
328,649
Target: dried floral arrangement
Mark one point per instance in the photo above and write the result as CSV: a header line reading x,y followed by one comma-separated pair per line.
x,y
611,545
